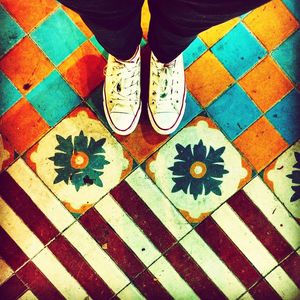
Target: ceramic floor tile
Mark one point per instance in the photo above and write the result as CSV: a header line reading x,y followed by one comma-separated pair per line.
x,y
234,111
238,58
79,160
272,23
282,178
6,153
26,65
198,169
259,84
50,36
195,49
260,143
83,69
22,125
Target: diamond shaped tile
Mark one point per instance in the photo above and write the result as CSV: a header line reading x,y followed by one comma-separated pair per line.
x,y
26,65
53,98
239,50
285,116
10,32
51,36
195,49
234,111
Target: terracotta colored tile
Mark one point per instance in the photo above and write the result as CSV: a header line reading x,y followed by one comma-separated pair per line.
x,y
20,119
78,21
206,78
29,13
261,143
6,153
266,84
84,69
26,65
215,33
272,23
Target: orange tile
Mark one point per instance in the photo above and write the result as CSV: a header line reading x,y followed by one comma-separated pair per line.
x,y
260,143
266,84
272,23
145,19
6,153
215,33
78,21
29,13
22,125
206,78
26,65
84,69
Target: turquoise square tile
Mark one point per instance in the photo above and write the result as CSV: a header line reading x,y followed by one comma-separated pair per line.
x,y
9,95
234,111
238,50
193,51
294,7
58,36
287,56
53,98
99,47
285,116
192,110
10,32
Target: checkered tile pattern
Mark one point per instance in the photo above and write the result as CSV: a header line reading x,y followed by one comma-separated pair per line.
x,y
209,212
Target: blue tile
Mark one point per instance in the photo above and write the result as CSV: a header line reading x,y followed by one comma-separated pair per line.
x,y
234,111
193,51
287,56
294,7
10,32
53,98
99,47
9,95
58,36
238,50
192,109
285,116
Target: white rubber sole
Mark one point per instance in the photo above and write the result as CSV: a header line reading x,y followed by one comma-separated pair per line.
x,y
112,126
176,124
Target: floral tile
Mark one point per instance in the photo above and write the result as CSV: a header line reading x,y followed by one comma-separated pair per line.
x,y
83,69
238,58
282,176
259,84
198,169
29,13
79,160
6,153
26,65
272,23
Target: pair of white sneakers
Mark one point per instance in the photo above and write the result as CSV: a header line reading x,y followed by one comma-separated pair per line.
x,y
122,94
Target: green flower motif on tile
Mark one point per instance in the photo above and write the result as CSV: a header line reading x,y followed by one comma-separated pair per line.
x,y
295,176
80,162
196,170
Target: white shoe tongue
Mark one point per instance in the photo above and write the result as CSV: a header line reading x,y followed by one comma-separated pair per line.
x,y
122,108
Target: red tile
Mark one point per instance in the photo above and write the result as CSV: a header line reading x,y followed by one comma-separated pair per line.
x,y
292,266
263,291
13,288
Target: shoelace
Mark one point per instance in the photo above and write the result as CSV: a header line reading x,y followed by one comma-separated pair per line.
x,y
124,94
161,75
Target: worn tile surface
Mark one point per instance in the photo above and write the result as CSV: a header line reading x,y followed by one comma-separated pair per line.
x,y
211,211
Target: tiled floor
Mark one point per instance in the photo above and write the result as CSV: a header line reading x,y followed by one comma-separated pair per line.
x,y
210,212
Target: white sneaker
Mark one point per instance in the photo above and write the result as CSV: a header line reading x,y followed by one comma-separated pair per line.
x,y
121,93
167,94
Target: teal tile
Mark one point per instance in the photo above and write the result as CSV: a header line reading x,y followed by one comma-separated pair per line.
x,y
99,47
53,98
239,50
287,56
294,7
10,32
285,116
9,95
234,111
58,36
193,51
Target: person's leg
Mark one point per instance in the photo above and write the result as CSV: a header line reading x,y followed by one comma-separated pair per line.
x,y
176,23
115,24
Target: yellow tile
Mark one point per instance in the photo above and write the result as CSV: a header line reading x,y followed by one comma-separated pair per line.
x,y
145,19
266,84
206,78
215,33
272,23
